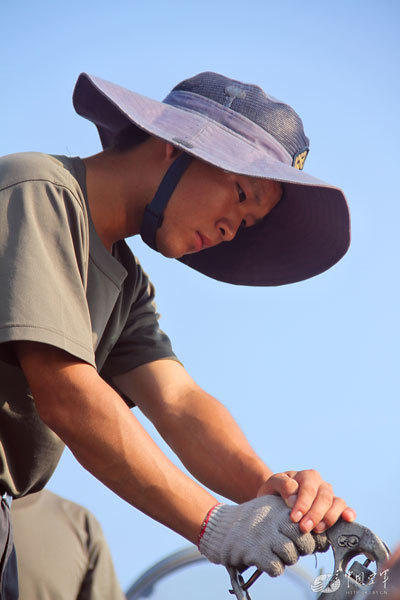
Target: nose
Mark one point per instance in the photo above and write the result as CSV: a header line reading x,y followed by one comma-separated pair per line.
x,y
227,229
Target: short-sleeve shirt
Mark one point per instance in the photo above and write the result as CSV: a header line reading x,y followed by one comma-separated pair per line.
x,y
61,551
59,285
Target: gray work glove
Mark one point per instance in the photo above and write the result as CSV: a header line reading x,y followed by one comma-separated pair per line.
x,y
257,533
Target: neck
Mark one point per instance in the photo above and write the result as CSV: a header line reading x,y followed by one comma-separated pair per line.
x,y
119,186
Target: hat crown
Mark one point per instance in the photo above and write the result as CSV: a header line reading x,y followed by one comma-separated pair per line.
x,y
275,117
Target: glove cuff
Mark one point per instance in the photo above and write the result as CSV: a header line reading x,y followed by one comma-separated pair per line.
x,y
205,523
217,524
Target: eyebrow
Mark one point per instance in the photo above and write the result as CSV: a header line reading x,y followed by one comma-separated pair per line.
x,y
258,201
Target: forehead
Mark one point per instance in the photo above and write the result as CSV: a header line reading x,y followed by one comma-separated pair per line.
x,y
258,187
262,189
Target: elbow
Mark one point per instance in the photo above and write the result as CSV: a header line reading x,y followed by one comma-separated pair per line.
x,y
50,411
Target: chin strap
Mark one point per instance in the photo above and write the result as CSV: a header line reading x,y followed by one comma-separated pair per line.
x,y
154,212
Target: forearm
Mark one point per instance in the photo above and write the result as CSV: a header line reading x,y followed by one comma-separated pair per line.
x,y
211,445
110,443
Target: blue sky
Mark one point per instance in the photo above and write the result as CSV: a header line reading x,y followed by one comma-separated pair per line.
x,y
310,370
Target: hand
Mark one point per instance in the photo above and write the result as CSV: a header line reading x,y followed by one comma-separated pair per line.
x,y
311,499
256,533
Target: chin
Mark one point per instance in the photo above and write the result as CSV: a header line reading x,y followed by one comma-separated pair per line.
x,y
189,252
172,246
169,251
169,254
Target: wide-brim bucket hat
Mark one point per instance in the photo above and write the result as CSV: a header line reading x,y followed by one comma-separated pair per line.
x,y
239,128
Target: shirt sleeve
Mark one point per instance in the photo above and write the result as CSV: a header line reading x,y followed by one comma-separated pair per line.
x,y
43,269
141,341
100,580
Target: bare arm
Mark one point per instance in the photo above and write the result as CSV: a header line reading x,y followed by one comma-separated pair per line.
x,y
198,428
106,438
211,445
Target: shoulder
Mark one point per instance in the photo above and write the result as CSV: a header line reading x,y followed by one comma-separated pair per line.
x,y
68,510
35,167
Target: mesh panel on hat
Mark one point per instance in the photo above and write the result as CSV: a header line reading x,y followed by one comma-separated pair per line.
x,y
275,117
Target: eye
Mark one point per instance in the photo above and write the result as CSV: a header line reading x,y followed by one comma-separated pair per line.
x,y
241,193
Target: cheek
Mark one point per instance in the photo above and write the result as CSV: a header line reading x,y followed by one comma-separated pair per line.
x,y
166,241
196,205
173,240
201,200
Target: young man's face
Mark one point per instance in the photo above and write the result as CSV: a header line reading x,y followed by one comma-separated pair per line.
x,y
208,207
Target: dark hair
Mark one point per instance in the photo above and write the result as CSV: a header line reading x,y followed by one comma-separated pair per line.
x,y
128,138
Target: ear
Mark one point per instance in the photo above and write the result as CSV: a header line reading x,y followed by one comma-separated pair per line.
x,y
171,152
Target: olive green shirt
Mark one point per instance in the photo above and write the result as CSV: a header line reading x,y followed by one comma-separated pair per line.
x,y
60,286
61,551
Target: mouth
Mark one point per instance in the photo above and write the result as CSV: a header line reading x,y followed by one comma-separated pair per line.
x,y
202,241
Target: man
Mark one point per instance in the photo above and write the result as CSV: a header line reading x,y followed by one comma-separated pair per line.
x,y
61,551
78,326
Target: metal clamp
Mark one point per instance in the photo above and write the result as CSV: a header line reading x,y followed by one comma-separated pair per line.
x,y
7,499
349,540
239,585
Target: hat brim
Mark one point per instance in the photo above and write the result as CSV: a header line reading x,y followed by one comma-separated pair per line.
x,y
305,234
